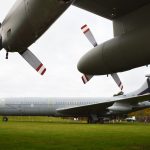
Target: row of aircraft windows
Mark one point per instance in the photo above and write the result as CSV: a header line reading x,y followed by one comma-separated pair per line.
x,y
28,103
74,103
56,103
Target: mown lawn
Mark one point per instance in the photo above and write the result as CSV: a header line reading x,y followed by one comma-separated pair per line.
x,y
65,135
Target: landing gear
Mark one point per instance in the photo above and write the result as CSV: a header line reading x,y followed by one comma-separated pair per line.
x,y
92,119
5,119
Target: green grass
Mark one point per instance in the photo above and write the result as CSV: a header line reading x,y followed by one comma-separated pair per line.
x,y
68,135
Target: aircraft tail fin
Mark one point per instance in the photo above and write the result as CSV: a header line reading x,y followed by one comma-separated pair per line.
x,y
145,88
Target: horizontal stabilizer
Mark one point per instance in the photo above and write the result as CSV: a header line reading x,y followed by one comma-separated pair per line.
x,y
86,78
33,61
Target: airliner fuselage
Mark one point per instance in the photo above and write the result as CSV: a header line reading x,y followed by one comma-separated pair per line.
x,y
51,106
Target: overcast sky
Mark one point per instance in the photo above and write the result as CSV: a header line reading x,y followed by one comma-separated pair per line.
x,y
59,49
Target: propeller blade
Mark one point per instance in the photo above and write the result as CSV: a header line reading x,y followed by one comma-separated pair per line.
x,y
87,32
117,80
86,78
33,61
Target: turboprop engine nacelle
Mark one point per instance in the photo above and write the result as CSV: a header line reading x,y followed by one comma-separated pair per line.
x,y
119,54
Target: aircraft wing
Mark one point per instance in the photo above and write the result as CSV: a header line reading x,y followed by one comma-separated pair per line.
x,y
86,109
110,9
102,106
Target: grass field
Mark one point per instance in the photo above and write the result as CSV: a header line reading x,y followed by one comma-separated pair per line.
x,y
57,134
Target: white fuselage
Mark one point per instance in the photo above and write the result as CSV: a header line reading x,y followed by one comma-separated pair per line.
x,y
49,106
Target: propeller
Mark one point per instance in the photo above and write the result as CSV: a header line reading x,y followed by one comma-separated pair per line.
x,y
28,56
85,78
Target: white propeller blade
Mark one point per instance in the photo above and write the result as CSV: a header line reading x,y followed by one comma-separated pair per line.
x,y
89,35
34,61
117,80
87,32
86,78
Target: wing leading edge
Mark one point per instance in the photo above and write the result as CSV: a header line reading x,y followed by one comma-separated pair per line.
x,y
110,9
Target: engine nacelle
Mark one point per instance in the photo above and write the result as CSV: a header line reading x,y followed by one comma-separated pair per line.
x,y
120,107
119,54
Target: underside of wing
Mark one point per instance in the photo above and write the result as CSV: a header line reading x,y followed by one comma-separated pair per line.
x,y
86,110
110,9
100,108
